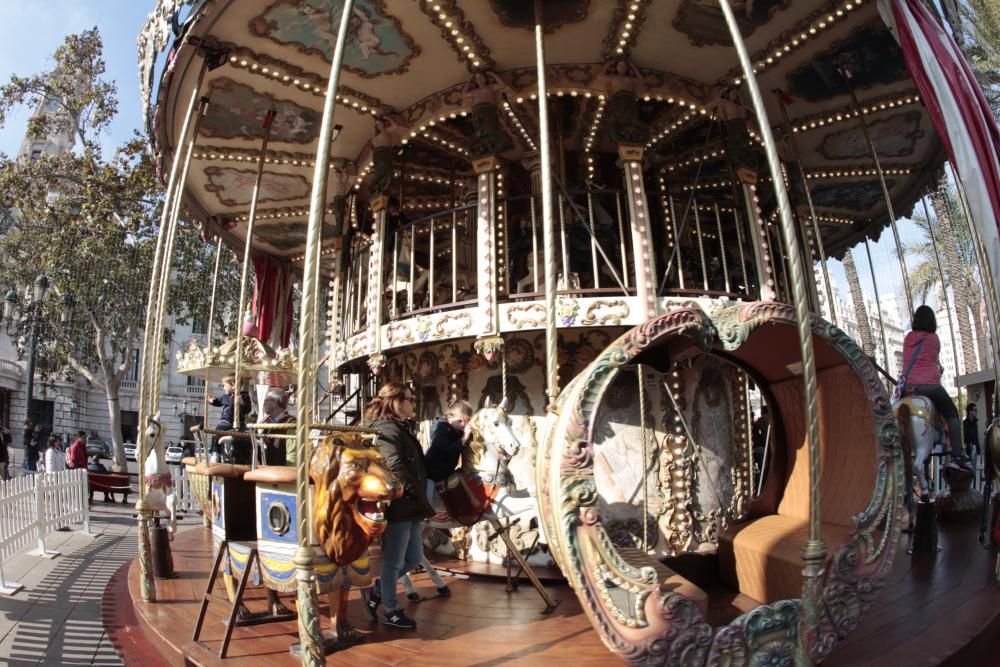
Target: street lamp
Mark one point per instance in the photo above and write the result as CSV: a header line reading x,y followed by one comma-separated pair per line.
x,y
34,316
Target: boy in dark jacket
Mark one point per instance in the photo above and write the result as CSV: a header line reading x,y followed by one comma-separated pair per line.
x,y
227,402
448,435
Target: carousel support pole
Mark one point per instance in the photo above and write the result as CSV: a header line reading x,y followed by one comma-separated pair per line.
x,y
846,75
815,550
245,271
376,260
878,306
150,354
762,254
809,202
944,291
485,169
548,223
641,233
310,635
210,329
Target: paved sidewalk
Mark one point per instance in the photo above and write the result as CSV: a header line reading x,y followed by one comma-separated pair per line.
x,y
56,618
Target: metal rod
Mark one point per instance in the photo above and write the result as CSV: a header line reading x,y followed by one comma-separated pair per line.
x,y
310,635
211,324
739,245
245,271
593,241
701,247
395,270
846,75
722,246
413,266
563,246
944,289
809,201
621,237
677,239
814,552
534,246
878,305
454,255
548,231
430,276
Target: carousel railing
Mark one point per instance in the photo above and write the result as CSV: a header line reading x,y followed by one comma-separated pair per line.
x,y
355,310
715,257
432,263
593,244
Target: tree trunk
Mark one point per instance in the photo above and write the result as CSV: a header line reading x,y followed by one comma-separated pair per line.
x,y
118,462
954,278
858,300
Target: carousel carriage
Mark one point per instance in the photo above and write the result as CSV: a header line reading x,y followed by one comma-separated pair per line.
x,y
582,210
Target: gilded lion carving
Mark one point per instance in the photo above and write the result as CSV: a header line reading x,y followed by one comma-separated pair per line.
x,y
353,488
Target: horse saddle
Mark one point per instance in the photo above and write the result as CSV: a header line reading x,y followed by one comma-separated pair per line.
x,y
466,497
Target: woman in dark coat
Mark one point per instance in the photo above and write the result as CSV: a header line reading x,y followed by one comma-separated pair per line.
x,y
392,412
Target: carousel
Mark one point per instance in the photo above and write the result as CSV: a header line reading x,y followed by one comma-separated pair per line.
x,y
606,226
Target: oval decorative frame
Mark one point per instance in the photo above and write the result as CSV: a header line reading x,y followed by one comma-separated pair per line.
x,y
658,626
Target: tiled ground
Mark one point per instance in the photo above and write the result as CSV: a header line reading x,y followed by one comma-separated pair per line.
x,y
56,618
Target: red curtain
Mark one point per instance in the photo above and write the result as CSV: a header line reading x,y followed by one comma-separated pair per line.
x,y
272,302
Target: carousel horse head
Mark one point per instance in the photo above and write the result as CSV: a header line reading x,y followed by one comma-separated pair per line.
x,y
353,489
153,433
492,436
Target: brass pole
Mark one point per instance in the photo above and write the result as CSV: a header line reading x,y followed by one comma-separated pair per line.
x,y
548,231
878,305
846,75
211,326
244,272
809,200
944,289
310,636
814,552
151,356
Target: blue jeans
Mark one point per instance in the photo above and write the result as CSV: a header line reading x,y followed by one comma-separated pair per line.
x,y
402,550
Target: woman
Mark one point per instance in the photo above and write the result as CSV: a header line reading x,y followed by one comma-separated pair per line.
x,y
392,412
921,348
55,457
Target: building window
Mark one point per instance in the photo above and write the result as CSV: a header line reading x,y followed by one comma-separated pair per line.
x,y
193,381
199,326
35,154
133,371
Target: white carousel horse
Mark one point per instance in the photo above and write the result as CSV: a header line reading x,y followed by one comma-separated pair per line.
x,y
156,475
925,431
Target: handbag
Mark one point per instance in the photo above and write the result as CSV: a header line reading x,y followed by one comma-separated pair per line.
x,y
901,382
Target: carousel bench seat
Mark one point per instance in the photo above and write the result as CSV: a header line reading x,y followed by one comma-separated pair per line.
x,y
110,484
668,579
273,475
233,470
763,558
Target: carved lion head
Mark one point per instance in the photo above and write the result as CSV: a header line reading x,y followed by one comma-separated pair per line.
x,y
353,488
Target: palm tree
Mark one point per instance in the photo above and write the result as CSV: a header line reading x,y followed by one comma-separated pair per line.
x,y
978,33
858,299
956,252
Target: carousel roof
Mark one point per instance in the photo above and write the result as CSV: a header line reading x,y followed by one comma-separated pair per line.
x,y
409,61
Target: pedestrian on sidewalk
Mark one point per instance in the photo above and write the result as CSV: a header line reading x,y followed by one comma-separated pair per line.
x,y
5,440
31,446
76,456
55,457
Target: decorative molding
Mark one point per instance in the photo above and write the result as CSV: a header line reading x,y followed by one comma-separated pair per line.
x,y
606,312
526,316
459,33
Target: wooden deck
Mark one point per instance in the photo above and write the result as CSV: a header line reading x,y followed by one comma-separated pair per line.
x,y
934,610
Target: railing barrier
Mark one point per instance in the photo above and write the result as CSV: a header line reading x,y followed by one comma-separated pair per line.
x,y
31,506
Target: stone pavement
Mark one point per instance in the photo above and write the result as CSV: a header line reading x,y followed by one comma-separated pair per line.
x,y
56,618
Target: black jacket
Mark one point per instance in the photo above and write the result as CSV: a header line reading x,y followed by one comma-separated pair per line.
x,y
227,403
445,450
405,457
971,428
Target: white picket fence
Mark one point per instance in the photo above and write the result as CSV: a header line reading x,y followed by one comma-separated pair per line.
x,y
31,506
182,490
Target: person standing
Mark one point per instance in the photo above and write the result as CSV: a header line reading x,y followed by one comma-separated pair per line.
x,y
970,431
55,457
77,454
921,348
276,412
5,441
391,412
31,446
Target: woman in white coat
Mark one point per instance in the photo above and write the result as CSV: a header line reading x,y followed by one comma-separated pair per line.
x,y
55,457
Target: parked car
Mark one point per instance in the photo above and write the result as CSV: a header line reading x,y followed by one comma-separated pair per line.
x,y
174,454
131,450
100,449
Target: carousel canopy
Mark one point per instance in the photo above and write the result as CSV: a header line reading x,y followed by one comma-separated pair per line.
x,y
407,75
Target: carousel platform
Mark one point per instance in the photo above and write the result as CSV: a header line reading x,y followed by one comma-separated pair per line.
x,y
940,609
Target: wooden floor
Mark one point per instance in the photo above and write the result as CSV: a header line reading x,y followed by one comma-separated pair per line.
x,y
934,610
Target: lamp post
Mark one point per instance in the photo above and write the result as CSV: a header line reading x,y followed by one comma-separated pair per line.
x,y
39,290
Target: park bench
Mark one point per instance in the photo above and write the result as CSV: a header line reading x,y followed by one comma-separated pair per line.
x,y
109,483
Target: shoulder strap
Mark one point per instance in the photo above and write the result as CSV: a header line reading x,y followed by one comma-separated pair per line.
x,y
913,359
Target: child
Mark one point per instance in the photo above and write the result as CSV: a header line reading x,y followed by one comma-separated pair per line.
x,y
227,402
448,435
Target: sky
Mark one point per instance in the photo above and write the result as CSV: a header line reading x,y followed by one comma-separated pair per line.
x,y
31,30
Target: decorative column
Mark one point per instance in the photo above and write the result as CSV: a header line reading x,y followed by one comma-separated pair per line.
x,y
642,237
758,237
376,260
486,251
